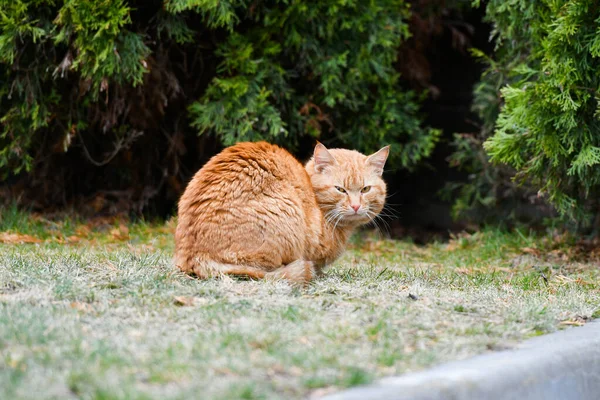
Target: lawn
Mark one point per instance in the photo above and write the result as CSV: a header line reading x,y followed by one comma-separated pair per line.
x,y
94,309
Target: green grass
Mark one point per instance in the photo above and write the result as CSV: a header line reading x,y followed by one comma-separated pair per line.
x,y
96,311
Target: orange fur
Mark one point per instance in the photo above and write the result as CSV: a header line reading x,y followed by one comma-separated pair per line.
x,y
254,210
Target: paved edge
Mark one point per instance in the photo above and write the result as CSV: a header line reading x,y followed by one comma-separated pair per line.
x,y
561,365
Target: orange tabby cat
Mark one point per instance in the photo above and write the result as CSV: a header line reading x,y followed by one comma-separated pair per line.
x,y
254,210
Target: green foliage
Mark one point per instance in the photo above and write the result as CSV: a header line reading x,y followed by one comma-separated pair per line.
x,y
103,46
284,78
216,13
549,126
41,42
490,194
91,77
29,109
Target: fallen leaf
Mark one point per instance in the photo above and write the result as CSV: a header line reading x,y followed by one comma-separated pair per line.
x,y
322,392
530,250
574,323
184,301
304,340
464,271
13,238
73,239
81,306
83,230
225,371
120,233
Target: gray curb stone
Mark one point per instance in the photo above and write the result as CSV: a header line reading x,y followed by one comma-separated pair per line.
x,y
562,365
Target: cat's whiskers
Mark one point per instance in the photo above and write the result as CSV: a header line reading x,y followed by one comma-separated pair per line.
x,y
337,239
376,225
330,216
376,219
329,211
389,211
333,218
341,216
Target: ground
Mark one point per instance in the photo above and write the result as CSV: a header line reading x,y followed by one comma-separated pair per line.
x,y
94,309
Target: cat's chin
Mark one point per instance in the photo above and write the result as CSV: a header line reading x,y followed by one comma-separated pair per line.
x,y
352,220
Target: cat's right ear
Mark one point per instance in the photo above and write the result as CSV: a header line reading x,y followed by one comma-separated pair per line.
x,y
322,158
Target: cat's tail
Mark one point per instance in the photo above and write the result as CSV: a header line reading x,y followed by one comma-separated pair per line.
x,y
299,271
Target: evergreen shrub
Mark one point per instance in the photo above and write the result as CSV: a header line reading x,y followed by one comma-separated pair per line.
x,y
548,127
113,94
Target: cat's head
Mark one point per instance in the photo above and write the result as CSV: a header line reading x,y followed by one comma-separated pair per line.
x,y
348,184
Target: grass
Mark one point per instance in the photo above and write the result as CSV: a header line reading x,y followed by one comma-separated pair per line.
x,y
94,309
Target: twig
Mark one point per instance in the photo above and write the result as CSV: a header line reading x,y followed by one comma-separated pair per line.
x,y
119,145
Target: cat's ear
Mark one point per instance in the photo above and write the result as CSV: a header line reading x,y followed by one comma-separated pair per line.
x,y
377,160
322,158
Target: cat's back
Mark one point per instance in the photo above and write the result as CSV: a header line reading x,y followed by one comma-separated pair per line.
x,y
244,171
254,160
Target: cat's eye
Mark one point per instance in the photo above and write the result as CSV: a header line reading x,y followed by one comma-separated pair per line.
x,y
340,189
365,189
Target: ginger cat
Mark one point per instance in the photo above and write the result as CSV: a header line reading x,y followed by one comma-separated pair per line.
x,y
254,210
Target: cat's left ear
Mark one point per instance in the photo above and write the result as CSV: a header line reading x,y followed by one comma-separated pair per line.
x,y
377,160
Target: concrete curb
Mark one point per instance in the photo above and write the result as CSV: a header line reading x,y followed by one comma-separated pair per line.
x,y
562,365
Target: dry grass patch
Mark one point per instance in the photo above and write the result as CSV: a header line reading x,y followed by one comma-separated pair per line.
x,y
108,317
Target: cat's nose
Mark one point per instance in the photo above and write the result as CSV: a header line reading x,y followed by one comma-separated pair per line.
x,y
355,207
